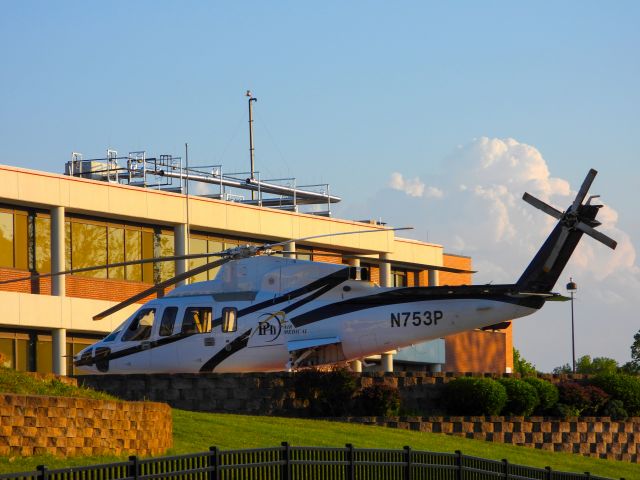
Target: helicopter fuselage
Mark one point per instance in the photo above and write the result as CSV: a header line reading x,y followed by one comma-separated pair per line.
x,y
269,313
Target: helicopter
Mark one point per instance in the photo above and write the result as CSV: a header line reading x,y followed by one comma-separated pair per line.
x,y
264,312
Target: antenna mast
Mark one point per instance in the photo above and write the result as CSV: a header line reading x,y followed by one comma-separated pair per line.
x,y
251,149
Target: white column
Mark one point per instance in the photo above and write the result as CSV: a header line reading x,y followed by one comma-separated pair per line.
x,y
291,247
59,344
355,262
57,251
58,285
356,366
180,239
434,279
386,362
385,271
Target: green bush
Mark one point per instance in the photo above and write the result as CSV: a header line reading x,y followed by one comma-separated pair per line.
x,y
377,400
615,410
522,398
474,396
327,393
625,388
565,411
547,394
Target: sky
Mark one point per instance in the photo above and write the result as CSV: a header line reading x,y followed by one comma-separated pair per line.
x,y
432,114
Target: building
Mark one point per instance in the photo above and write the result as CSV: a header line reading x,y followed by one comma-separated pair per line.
x,y
51,222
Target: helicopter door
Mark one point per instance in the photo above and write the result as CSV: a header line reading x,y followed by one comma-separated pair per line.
x,y
135,344
164,354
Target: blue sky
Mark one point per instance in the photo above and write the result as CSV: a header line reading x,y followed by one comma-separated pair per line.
x,y
348,93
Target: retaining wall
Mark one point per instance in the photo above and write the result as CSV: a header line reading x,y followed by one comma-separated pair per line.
x,y
590,436
35,425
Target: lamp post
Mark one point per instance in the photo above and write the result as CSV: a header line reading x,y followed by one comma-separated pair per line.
x,y
572,288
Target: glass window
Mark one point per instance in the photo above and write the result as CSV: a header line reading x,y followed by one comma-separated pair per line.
x,y
89,248
197,320
198,245
229,319
21,240
116,251
214,246
168,321
7,354
133,251
6,239
140,327
43,244
147,252
22,355
164,244
44,354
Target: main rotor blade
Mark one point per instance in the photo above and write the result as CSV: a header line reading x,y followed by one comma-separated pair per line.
x,y
584,189
271,245
555,251
399,263
160,286
601,237
531,200
113,265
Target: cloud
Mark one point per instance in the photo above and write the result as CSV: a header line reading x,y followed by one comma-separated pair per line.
x,y
483,216
413,187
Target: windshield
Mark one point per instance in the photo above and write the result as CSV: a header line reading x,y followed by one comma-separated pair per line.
x,y
114,334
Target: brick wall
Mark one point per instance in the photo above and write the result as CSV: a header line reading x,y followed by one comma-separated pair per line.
x,y
593,437
455,261
37,425
478,350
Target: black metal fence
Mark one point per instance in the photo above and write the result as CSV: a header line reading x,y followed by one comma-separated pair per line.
x,y
289,463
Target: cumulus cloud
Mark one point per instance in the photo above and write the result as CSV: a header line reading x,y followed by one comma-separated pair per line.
x,y
413,187
483,216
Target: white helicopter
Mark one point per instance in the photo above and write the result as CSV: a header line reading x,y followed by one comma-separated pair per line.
x,y
267,313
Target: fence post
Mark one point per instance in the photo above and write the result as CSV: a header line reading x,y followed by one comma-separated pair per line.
x,y
134,467
285,472
548,473
459,465
350,466
407,463
587,475
42,472
214,464
505,468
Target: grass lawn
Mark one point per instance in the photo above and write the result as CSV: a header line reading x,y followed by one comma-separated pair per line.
x,y
196,432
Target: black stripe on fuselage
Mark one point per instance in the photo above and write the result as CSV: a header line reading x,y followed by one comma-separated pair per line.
x,y
234,346
416,294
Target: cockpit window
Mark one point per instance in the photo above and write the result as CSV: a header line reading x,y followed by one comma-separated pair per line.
x,y
197,320
168,321
229,319
140,327
112,336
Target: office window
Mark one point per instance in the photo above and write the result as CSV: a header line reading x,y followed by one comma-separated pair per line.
x,y
6,239
89,248
115,254
164,248
42,244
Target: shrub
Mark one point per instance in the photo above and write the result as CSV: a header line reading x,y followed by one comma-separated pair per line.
x,y
522,398
574,395
547,394
625,388
598,398
328,394
565,411
615,410
377,400
474,396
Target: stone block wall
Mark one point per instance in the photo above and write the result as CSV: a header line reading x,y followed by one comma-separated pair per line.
x,y
63,426
593,437
266,393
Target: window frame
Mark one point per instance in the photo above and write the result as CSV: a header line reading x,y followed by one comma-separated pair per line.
x,y
226,311
204,329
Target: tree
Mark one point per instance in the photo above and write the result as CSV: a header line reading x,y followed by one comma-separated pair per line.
x,y
566,368
635,350
521,366
596,366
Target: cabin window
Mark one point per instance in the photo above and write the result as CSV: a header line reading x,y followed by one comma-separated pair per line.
x,y
168,321
229,319
197,320
140,327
